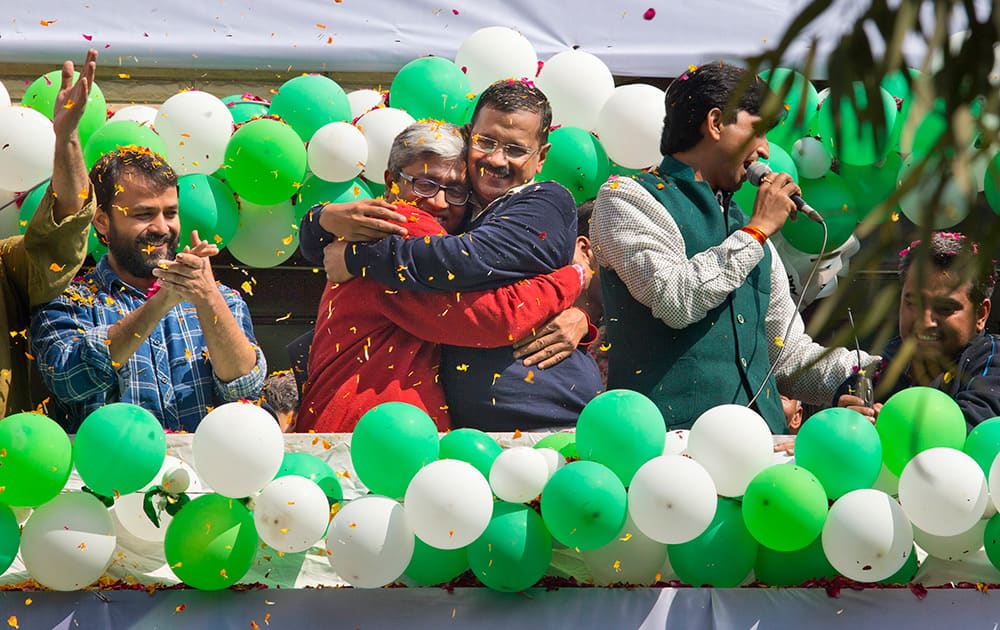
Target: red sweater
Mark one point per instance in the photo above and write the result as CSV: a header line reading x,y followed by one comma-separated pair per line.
x,y
374,345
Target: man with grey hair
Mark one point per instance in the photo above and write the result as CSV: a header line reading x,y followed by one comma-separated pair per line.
x,y
374,345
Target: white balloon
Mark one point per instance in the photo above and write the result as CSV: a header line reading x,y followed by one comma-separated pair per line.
x,y
631,558
175,476
994,482
577,84
887,482
381,126
957,547
448,504
363,101
10,220
494,53
238,449
553,459
518,474
630,125
867,537
195,127
811,157
943,491
672,499
68,542
4,96
676,442
370,543
337,152
291,513
733,443
28,143
142,114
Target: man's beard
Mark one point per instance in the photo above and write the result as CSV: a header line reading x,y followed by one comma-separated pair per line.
x,y
133,257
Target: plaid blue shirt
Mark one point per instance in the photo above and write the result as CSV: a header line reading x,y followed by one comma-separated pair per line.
x,y
170,374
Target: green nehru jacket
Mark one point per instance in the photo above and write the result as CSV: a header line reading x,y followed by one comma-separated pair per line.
x,y
721,359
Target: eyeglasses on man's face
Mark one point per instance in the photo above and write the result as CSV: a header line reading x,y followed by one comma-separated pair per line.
x,y
487,144
428,188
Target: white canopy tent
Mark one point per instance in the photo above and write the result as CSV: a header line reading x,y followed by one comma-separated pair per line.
x,y
381,36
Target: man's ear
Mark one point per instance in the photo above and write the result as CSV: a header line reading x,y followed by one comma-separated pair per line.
x,y
713,124
542,152
101,225
389,181
982,314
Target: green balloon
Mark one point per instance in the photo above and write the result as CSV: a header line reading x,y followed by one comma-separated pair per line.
x,y
722,556
265,161
799,104
514,551
779,160
563,442
624,171
211,542
895,83
842,448
377,188
991,540
793,568
114,135
391,442
430,566
784,507
243,107
119,448
906,572
431,87
209,206
472,446
916,419
309,102
318,191
578,161
831,197
983,443
314,469
991,184
29,206
872,185
41,97
934,125
583,505
35,459
622,430
851,139
10,537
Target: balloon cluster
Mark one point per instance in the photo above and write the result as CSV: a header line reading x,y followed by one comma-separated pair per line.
x,y
637,502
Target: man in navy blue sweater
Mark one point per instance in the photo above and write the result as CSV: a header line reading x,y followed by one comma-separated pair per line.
x,y
942,342
516,228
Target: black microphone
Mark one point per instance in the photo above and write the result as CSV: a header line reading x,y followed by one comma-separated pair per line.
x,y
758,171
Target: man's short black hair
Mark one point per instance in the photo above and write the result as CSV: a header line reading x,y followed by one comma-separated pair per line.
x,y
954,252
515,95
109,172
692,95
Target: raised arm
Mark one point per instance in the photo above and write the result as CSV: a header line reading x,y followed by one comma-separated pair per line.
x,y
534,233
637,239
362,220
70,185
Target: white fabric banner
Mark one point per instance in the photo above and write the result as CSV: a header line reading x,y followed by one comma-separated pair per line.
x,y
650,38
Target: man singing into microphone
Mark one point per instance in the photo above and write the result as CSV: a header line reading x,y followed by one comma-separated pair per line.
x,y
696,300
